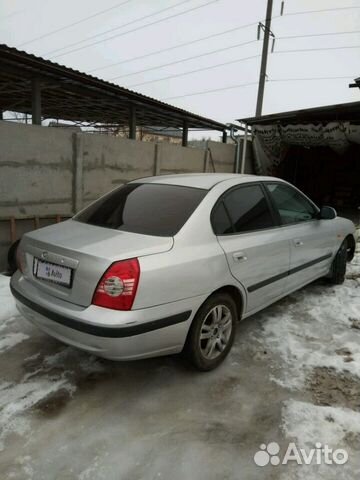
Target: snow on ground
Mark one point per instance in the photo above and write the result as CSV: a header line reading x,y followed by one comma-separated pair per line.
x,y
310,424
318,326
338,428
309,345
16,398
316,332
11,339
8,316
7,303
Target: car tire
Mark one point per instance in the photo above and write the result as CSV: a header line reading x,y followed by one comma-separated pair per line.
x,y
11,257
338,266
212,332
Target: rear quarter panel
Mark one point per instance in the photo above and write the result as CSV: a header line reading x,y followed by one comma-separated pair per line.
x,y
183,272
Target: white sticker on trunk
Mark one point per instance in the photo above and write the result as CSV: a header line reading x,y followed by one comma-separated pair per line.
x,y
52,272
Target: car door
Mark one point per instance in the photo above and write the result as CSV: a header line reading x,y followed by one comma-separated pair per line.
x,y
311,240
257,255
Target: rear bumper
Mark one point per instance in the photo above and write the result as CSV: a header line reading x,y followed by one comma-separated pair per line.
x,y
99,330
135,334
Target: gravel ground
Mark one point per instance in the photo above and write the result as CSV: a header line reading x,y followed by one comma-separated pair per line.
x,y
293,376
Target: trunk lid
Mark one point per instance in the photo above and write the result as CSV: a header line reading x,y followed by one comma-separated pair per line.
x,y
88,250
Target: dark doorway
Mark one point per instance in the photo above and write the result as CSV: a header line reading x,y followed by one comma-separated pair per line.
x,y
325,176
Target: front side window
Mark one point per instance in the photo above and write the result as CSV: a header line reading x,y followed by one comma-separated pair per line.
x,y
248,209
291,205
147,208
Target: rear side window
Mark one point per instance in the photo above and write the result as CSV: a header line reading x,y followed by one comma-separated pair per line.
x,y
147,208
248,209
221,221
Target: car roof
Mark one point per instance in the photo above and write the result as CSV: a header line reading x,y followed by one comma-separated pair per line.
x,y
201,180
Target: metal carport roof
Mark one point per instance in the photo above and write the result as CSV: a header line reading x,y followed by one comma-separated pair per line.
x,y
72,95
340,112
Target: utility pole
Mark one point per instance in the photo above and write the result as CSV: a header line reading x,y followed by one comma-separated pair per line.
x,y
264,55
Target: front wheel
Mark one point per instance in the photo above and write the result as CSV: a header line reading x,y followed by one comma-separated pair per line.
x,y
212,332
338,267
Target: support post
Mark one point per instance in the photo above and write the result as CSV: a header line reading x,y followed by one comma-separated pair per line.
x,y
264,55
132,122
224,136
185,131
36,101
78,184
243,157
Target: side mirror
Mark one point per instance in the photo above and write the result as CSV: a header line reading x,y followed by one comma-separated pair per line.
x,y
327,213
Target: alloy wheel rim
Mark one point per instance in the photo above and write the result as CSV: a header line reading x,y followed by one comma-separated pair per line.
x,y
215,332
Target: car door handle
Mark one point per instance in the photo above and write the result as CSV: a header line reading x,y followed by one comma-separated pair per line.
x,y
298,243
239,257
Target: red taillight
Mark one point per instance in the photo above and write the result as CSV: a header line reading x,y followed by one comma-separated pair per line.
x,y
117,287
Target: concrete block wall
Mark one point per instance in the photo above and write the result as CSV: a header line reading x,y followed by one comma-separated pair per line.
x,y
177,159
36,170
108,162
48,171
223,156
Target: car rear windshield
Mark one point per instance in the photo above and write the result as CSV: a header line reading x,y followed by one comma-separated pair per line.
x,y
147,208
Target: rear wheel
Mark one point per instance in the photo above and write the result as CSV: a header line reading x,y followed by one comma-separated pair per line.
x,y
11,258
212,332
338,267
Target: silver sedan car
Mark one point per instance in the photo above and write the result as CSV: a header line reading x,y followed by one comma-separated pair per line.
x,y
168,264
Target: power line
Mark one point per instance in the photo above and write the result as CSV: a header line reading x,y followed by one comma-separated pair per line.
x,y
229,63
12,14
289,37
265,51
116,28
336,9
232,87
194,71
184,44
158,21
204,92
301,79
129,31
315,49
82,20
191,42
193,57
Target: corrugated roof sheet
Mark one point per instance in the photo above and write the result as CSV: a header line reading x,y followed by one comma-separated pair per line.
x,y
339,112
73,95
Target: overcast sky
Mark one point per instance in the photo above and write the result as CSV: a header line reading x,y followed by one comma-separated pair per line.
x,y
23,21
